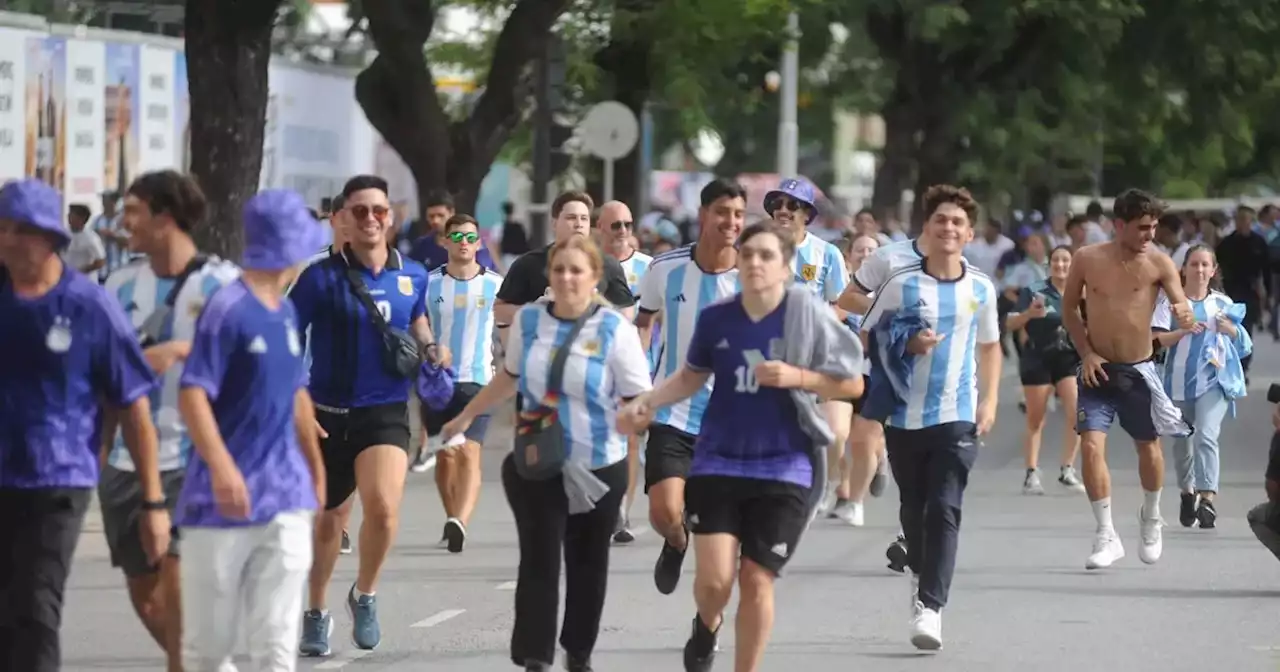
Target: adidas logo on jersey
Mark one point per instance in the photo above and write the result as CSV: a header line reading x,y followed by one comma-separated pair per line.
x,y
679,298
258,346
723,344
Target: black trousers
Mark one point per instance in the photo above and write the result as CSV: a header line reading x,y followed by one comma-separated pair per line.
x,y
40,529
546,530
931,467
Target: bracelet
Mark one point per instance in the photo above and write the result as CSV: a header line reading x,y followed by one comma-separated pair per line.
x,y
157,505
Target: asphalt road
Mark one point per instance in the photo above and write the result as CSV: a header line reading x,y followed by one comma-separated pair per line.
x,y
1021,597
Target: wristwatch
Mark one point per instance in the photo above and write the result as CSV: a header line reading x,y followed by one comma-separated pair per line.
x,y
160,505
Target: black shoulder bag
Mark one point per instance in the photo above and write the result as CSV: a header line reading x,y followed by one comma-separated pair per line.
x,y
152,327
540,452
400,355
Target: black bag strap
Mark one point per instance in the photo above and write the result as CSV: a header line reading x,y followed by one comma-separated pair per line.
x,y
197,262
362,293
556,376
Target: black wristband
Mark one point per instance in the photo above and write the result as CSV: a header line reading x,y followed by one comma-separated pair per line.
x,y
160,505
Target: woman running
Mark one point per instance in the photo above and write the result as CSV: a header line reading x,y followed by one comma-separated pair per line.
x,y
1048,364
856,249
1200,378
750,492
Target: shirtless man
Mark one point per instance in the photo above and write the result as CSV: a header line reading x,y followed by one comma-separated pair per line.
x,y
1122,279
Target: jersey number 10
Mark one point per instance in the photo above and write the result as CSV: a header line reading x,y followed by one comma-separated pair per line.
x,y
383,307
746,374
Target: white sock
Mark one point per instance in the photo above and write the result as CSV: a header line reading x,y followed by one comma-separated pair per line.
x,y
1151,505
1102,513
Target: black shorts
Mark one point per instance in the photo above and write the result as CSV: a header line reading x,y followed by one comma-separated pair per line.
x,y
1047,368
667,454
433,421
352,431
767,517
857,403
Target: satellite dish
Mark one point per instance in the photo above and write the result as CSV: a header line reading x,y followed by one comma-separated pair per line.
x,y
707,147
609,131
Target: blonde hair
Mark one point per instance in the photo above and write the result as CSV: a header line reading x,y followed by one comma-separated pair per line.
x,y
595,259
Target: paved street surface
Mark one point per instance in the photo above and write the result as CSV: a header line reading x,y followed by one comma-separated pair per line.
x,y
1021,598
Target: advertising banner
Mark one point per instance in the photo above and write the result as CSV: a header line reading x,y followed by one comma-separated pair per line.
x,y
46,69
156,101
120,117
13,102
85,122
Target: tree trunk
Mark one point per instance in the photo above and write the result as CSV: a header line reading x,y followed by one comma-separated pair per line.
x,y
937,158
397,93
898,156
626,64
228,46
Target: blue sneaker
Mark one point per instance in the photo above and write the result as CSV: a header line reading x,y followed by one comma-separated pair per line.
x,y
316,628
365,632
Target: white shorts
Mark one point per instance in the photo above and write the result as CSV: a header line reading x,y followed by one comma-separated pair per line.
x,y
246,580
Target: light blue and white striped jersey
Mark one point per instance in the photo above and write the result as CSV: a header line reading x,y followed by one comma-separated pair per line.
x,y
676,287
635,267
1188,373
885,261
141,292
944,381
461,315
820,266
606,364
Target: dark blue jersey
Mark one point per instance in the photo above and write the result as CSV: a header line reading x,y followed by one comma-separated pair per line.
x,y
346,348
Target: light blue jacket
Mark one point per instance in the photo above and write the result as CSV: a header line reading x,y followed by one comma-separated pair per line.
x,y
891,364
1231,351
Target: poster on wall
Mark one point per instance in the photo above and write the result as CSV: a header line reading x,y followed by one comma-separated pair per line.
x,y
85,122
121,107
13,103
181,113
45,83
156,101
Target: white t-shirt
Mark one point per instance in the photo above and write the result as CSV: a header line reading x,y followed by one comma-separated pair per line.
x,y
85,248
985,256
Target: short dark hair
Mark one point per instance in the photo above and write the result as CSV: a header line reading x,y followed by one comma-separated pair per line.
x,y
722,187
362,182
460,220
1094,209
171,193
866,211
440,199
1171,222
338,203
1076,220
958,196
81,210
1134,204
1245,207
785,241
568,197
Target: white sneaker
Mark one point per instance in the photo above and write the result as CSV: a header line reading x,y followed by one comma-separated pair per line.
x,y
926,629
915,593
851,513
1068,478
828,499
1031,484
1107,549
1152,538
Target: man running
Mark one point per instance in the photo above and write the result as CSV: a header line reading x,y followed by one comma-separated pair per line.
x,y
819,265
614,227
460,297
163,293
679,285
1122,280
361,402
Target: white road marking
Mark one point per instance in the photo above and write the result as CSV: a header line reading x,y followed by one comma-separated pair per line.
x,y
506,585
343,659
439,618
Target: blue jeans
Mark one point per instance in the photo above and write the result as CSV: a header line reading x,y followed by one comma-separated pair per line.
x,y
1196,457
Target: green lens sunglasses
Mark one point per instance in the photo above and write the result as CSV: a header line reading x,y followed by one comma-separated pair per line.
x,y
461,236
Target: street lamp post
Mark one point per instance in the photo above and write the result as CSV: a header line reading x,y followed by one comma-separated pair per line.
x,y
788,130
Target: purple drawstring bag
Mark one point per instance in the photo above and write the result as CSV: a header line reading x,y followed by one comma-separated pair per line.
x,y
435,385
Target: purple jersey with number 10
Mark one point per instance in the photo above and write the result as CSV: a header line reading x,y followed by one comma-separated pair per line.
x,y
749,431
249,361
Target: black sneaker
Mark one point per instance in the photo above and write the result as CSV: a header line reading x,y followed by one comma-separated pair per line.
x,y
574,663
622,533
700,650
666,573
877,484
1187,509
455,535
897,554
345,548
1207,514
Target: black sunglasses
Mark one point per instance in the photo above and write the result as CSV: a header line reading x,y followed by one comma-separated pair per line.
x,y
620,225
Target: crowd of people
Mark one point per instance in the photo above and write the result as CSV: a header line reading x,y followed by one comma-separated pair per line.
x,y
751,381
